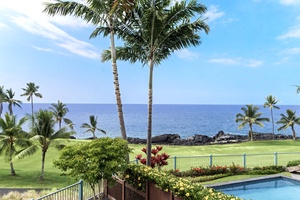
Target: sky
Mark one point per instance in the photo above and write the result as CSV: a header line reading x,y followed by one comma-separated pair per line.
x,y
251,51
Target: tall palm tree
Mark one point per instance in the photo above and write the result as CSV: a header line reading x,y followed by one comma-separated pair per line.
x,y
2,95
100,13
92,127
60,110
250,116
155,30
271,103
11,137
9,98
44,136
289,120
298,88
30,91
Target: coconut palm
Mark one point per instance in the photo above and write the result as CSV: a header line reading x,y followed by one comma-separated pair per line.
x,y
271,103
100,13
250,116
298,88
289,120
9,98
60,110
30,91
44,136
92,127
2,95
11,137
156,29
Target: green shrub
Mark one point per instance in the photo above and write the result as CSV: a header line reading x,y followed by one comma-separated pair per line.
x,y
273,169
293,163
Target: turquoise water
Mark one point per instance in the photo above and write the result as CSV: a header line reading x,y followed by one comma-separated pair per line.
x,y
280,188
185,120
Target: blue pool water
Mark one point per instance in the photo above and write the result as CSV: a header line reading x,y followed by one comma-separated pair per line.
x,y
278,188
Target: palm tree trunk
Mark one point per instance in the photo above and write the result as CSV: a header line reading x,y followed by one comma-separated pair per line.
x,y
272,124
150,102
116,83
10,109
294,133
251,133
32,110
43,165
1,108
12,170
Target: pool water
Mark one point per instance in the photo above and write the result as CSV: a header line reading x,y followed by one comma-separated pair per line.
x,y
278,188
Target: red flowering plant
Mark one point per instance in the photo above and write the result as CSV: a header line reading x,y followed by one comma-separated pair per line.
x,y
157,159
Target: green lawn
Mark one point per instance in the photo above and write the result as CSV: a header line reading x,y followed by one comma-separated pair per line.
x,y
28,169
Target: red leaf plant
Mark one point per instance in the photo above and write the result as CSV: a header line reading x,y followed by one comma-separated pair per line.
x,y
157,160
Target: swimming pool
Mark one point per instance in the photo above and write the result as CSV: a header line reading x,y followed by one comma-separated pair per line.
x,y
271,188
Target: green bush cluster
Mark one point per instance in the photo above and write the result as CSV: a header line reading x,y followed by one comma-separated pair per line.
x,y
293,163
136,175
273,169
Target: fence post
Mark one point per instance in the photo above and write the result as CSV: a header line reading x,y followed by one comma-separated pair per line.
x,y
175,167
244,160
210,160
275,158
80,190
136,161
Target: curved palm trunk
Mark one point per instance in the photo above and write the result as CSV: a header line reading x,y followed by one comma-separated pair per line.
x,y
12,170
32,110
294,133
272,124
150,105
43,164
1,109
116,83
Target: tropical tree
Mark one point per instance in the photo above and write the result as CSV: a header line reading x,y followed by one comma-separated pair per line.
x,y
104,14
60,110
9,98
271,103
30,91
289,120
250,116
11,137
156,29
2,95
298,88
44,136
92,127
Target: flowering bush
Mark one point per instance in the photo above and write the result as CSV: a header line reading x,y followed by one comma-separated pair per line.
x,y
157,159
136,174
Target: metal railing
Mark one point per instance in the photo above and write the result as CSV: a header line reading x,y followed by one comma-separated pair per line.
x,y
77,191
244,160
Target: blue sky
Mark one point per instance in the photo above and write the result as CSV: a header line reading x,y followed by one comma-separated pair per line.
x,y
252,50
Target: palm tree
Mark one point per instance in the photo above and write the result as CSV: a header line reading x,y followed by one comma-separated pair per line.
x,y
155,30
92,127
12,136
289,120
60,110
298,88
99,13
250,116
44,136
30,91
2,95
9,98
270,103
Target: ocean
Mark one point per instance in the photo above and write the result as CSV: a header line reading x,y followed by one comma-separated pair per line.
x,y
185,120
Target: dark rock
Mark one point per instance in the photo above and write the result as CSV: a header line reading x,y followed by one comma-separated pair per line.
x,y
165,138
72,137
136,140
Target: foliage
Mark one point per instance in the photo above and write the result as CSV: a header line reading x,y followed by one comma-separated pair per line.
x,y
250,116
59,111
11,137
289,120
9,98
167,182
93,161
273,169
271,103
293,163
92,127
157,160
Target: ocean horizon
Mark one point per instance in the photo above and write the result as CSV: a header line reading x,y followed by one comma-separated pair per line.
x,y
185,120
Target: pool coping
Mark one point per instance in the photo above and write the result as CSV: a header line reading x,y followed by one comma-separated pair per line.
x,y
251,180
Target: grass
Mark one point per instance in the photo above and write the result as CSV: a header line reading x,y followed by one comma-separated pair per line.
x,y
28,169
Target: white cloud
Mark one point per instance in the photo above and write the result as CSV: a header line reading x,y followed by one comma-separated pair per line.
x,y
212,13
290,51
29,16
2,25
294,32
289,2
237,62
42,49
186,54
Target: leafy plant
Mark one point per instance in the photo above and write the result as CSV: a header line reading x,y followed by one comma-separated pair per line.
x,y
293,163
157,159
